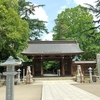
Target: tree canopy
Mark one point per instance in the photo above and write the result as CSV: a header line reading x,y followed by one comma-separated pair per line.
x,y
71,24
96,11
17,27
37,27
13,30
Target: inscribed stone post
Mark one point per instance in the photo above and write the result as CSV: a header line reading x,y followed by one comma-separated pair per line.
x,y
98,63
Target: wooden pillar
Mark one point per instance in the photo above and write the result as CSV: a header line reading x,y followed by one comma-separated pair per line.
x,y
82,68
60,64
33,67
33,70
71,69
41,67
70,65
63,67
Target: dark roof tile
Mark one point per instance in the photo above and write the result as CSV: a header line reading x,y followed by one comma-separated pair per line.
x,y
52,47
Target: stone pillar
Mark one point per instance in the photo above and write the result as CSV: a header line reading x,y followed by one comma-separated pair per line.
x,y
98,63
63,67
10,82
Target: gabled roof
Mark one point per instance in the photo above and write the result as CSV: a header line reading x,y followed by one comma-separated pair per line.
x,y
52,47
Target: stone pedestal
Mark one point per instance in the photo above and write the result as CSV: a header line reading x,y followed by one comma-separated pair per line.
x,y
97,79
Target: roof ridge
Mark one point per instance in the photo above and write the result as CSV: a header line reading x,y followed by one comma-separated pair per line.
x,y
54,42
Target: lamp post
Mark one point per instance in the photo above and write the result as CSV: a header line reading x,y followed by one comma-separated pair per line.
x,y
10,63
19,75
90,73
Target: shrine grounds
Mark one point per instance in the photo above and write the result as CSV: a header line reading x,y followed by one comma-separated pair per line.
x,y
23,92
34,91
93,88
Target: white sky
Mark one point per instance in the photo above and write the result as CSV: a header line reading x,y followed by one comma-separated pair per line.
x,y
40,14
81,2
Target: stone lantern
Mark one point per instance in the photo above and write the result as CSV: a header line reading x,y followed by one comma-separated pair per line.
x,y
19,75
10,63
90,73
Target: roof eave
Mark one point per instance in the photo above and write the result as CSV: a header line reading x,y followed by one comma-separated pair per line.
x,y
32,54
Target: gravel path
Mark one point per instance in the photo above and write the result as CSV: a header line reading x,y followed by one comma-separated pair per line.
x,y
93,88
24,92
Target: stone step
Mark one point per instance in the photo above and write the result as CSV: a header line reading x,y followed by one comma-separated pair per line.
x,y
52,78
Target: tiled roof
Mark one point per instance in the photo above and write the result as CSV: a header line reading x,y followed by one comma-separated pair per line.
x,y
52,47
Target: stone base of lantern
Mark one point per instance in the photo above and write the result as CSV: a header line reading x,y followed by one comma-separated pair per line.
x,y
80,79
27,80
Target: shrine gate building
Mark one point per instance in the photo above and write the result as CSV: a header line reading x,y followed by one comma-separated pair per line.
x,y
62,51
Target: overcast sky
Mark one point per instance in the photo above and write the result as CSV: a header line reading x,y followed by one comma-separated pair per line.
x,y
51,9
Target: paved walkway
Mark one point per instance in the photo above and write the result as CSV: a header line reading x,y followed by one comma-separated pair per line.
x,y
52,90
63,90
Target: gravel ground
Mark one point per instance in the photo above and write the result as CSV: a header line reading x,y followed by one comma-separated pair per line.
x,y
24,92
93,88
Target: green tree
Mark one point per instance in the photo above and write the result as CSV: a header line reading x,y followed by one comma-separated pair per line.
x,y
13,30
71,25
51,66
37,27
96,11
